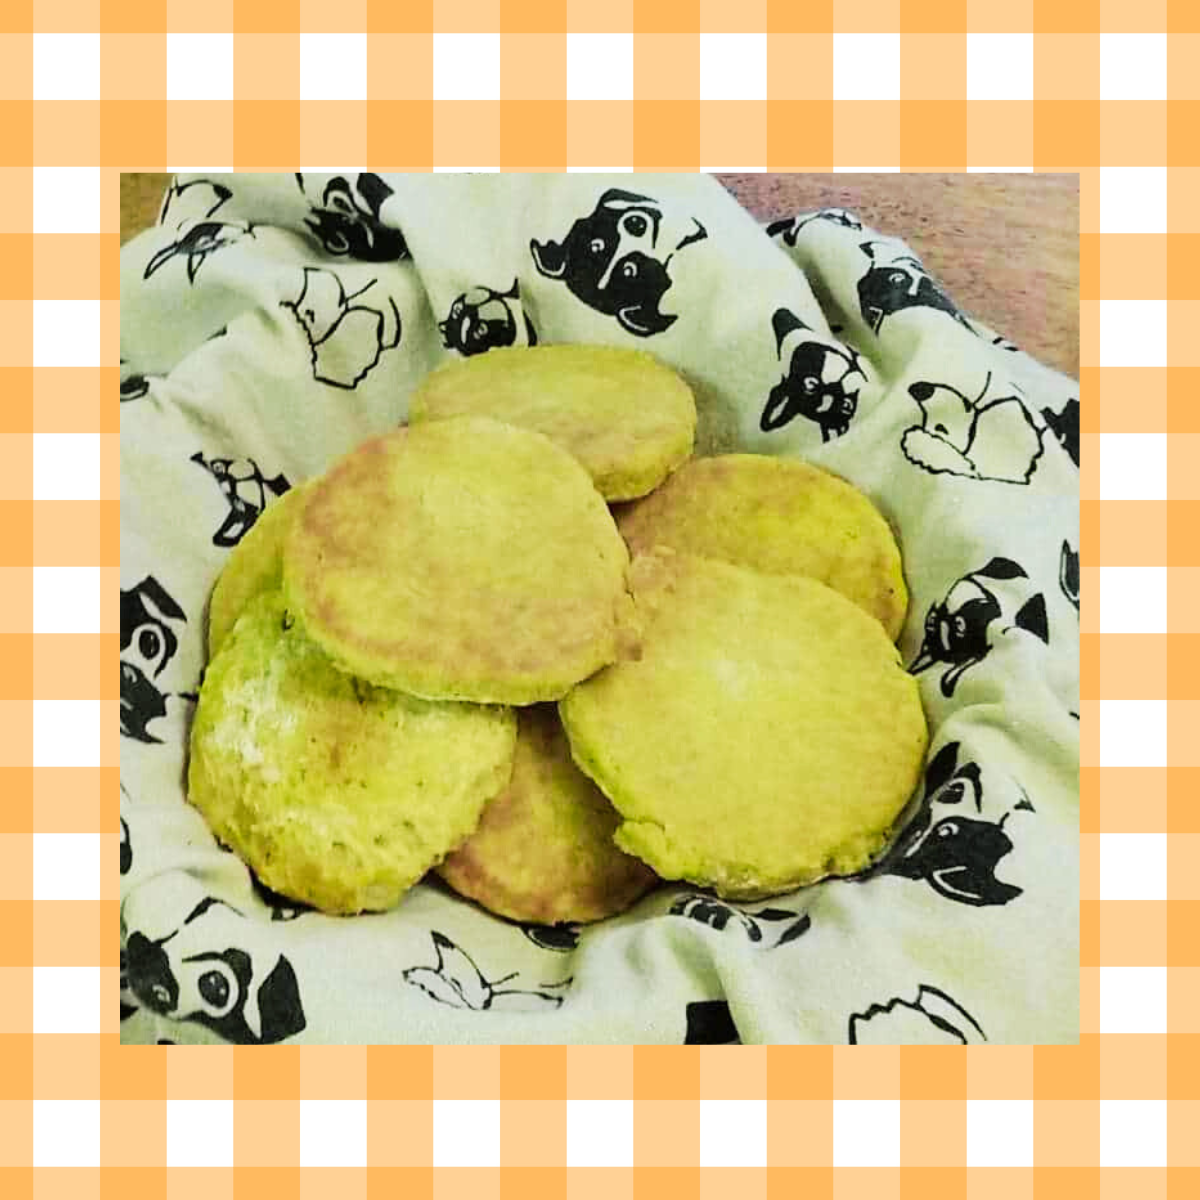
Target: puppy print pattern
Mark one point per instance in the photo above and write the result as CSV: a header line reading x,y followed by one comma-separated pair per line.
x,y
710,1023
993,438
482,319
457,981
950,844
616,259
895,281
820,382
150,618
720,916
982,606
1065,427
194,974
346,220
1068,574
563,937
932,1018
345,340
195,241
245,489
789,229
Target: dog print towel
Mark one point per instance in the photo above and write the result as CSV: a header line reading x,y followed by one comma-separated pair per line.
x,y
270,323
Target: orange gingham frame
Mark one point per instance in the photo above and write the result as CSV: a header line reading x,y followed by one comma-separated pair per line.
x,y
799,126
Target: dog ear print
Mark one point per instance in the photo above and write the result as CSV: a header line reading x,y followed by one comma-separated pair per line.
x,y
1002,568
941,767
549,257
279,1004
783,323
643,321
1032,618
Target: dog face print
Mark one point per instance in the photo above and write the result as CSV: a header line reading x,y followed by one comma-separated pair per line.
x,y
961,629
346,340
482,319
710,1023
1065,427
896,281
616,259
718,915
198,973
149,622
951,844
932,1018
820,382
347,220
245,489
456,980
195,241
789,228
992,438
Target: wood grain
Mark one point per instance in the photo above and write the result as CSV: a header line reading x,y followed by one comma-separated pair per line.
x,y
1006,247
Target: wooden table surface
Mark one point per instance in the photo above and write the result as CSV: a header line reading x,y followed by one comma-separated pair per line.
x,y
1005,247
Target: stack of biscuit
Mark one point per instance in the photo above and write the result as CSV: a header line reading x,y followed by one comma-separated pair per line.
x,y
450,654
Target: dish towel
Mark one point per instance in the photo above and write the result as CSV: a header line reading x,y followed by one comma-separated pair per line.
x,y
270,323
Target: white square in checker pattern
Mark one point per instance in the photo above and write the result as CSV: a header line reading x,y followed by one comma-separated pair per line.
x,y
199,1133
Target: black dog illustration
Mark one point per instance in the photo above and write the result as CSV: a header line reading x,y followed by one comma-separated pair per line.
x,y
821,382
718,915
457,981
195,241
347,220
994,439
614,261
1065,427
898,281
790,227
563,937
134,387
932,1018
148,643
346,340
186,977
198,196
1068,573
961,629
482,319
710,1023
956,855
245,489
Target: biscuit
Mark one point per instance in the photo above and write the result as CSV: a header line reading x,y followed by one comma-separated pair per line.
x,y
625,416
764,736
780,516
336,793
254,566
461,559
544,848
